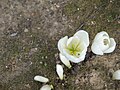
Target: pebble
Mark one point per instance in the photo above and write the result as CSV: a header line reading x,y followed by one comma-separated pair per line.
x,y
13,34
26,30
78,9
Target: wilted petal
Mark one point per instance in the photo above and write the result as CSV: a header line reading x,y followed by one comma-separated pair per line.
x,y
83,35
46,87
62,43
65,60
96,49
116,75
41,79
111,47
59,70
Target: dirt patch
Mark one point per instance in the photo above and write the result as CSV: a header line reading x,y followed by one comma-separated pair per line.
x,y
30,30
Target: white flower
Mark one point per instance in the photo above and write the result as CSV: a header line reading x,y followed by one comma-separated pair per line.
x,y
65,61
59,70
116,75
41,79
46,87
74,48
103,44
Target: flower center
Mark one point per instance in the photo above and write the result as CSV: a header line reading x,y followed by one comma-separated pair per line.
x,y
105,41
74,49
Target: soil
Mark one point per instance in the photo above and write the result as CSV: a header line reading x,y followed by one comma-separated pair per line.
x,y
29,33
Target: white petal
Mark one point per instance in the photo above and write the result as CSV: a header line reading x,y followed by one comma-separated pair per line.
x,y
65,60
111,47
41,79
70,40
75,59
46,87
62,43
83,35
116,75
100,34
59,70
73,42
96,49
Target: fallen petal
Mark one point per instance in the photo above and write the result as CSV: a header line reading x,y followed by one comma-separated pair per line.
x,y
59,70
41,79
116,75
65,60
46,87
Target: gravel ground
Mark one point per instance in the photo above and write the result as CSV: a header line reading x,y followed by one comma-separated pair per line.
x,y
30,30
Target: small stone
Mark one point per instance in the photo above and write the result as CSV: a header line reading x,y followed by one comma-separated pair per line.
x,y
57,5
26,30
41,62
13,34
42,57
46,57
45,64
38,28
119,22
93,22
6,66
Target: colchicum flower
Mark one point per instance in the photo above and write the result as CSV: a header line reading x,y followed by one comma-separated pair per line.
x,y
103,44
46,87
59,70
74,48
41,79
116,75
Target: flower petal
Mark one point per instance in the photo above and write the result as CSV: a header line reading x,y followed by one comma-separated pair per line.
x,y
41,79
46,87
65,60
100,34
73,58
116,75
96,49
59,70
62,43
73,41
111,47
83,35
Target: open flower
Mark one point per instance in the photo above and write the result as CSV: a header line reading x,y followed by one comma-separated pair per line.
x,y
41,79
46,87
59,70
74,48
103,44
